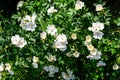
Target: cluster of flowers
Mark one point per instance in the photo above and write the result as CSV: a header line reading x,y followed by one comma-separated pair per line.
x,y
69,75
96,27
28,23
18,41
35,62
94,53
51,69
7,67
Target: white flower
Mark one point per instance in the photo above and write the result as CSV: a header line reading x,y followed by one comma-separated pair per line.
x,y
43,35
60,42
88,38
35,65
61,38
115,67
51,58
30,26
1,66
28,22
99,7
21,43
93,51
8,66
11,72
96,57
68,54
60,46
51,10
74,36
35,59
79,5
101,63
15,39
18,41
90,47
20,4
51,69
98,34
86,43
97,26
46,68
68,76
51,29
76,54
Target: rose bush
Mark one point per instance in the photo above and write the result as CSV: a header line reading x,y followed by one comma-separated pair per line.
x,y
60,40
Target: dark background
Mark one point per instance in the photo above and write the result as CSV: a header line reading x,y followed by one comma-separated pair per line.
x,y
8,7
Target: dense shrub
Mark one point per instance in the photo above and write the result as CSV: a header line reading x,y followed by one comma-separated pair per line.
x,y
60,39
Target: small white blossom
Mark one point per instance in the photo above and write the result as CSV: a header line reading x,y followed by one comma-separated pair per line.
x,y
88,38
115,67
61,38
90,47
28,23
1,66
96,57
8,66
51,58
60,42
93,51
79,5
30,26
51,29
60,46
21,43
74,36
68,76
18,41
98,34
35,59
97,26
68,54
99,7
51,10
20,4
43,35
76,54
15,39
35,65
51,70
101,63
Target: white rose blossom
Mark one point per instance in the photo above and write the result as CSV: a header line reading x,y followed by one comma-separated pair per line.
x,y
51,69
79,5
60,42
76,54
51,29
35,62
20,4
51,10
28,23
8,68
1,67
115,67
99,7
69,75
101,63
18,41
98,35
43,35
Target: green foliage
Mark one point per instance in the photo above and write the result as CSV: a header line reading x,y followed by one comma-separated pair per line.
x,y
70,22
